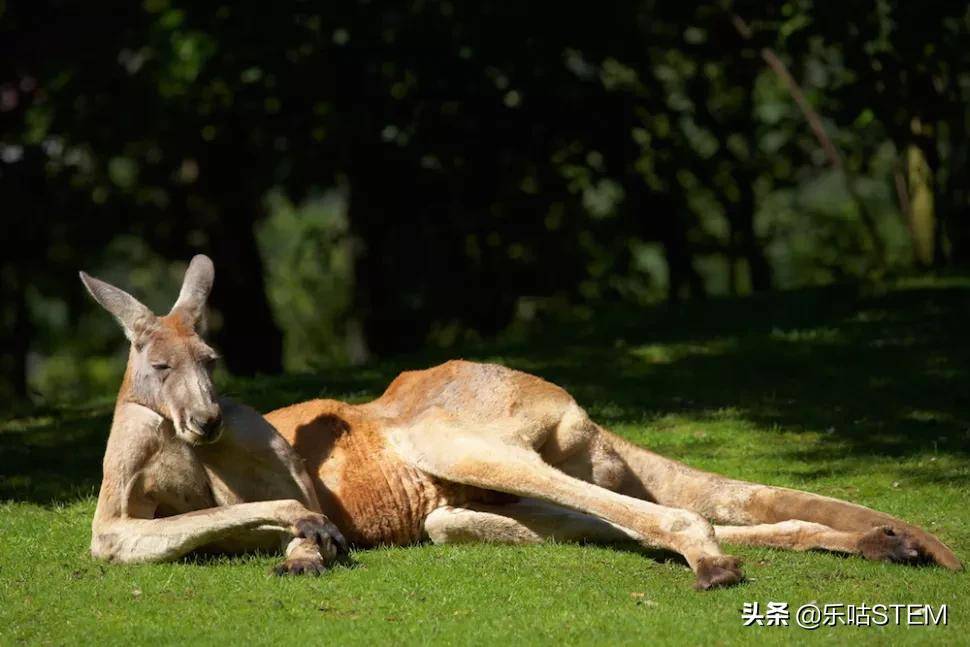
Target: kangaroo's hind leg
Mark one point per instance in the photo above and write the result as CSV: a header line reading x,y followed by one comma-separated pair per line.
x,y
739,503
527,521
457,453
880,543
752,514
533,522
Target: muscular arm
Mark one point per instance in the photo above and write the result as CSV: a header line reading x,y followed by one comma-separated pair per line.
x,y
129,539
142,467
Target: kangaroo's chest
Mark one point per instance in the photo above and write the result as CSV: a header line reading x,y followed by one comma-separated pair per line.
x,y
184,479
177,481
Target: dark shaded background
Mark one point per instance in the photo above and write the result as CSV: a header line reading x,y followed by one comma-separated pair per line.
x,y
373,177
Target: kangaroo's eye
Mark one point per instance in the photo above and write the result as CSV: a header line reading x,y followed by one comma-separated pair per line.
x,y
160,366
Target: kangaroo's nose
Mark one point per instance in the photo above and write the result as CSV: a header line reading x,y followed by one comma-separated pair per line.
x,y
212,425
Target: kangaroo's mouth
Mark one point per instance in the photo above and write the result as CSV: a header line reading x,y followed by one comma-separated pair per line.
x,y
195,434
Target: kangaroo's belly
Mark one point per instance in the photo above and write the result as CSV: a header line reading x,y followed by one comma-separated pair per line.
x,y
373,496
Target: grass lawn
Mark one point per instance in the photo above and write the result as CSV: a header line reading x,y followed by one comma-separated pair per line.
x,y
858,396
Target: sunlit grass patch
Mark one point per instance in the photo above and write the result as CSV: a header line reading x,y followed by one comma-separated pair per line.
x,y
673,352
809,336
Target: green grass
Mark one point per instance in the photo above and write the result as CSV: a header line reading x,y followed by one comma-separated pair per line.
x,y
859,396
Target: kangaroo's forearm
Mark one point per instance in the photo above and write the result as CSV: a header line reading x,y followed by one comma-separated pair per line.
x,y
156,540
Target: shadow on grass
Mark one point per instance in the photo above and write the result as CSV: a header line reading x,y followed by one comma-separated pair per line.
x,y
658,555
884,375
54,456
344,561
879,374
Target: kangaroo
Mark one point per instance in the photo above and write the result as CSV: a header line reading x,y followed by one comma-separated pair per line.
x,y
460,452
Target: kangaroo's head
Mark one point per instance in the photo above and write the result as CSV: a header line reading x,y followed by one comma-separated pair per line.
x,y
169,366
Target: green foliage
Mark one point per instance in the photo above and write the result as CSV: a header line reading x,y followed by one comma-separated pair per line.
x,y
487,155
309,265
85,357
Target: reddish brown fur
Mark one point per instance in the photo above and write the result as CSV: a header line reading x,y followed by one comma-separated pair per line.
x,y
377,495
372,496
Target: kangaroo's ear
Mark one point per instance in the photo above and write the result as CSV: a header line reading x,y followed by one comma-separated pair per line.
x,y
133,316
195,290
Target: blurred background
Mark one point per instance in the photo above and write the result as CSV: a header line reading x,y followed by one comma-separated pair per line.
x,y
375,177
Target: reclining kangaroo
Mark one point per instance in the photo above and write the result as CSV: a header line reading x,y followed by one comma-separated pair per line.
x,y
456,453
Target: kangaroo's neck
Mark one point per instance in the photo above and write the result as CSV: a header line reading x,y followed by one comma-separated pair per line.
x,y
125,390
128,409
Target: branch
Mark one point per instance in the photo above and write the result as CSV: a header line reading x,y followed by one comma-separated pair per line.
x,y
815,123
779,68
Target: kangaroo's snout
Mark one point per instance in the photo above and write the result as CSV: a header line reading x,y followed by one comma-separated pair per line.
x,y
213,424
210,426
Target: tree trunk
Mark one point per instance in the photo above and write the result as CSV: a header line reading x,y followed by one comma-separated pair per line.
x,y
742,220
387,264
956,195
249,338
958,233
13,362
685,282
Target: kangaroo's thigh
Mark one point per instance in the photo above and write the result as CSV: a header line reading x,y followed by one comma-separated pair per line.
x,y
578,447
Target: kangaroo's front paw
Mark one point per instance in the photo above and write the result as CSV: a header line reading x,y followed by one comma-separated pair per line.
x,y
301,566
718,571
321,531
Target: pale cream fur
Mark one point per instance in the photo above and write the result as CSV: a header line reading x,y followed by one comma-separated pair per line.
x,y
185,471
